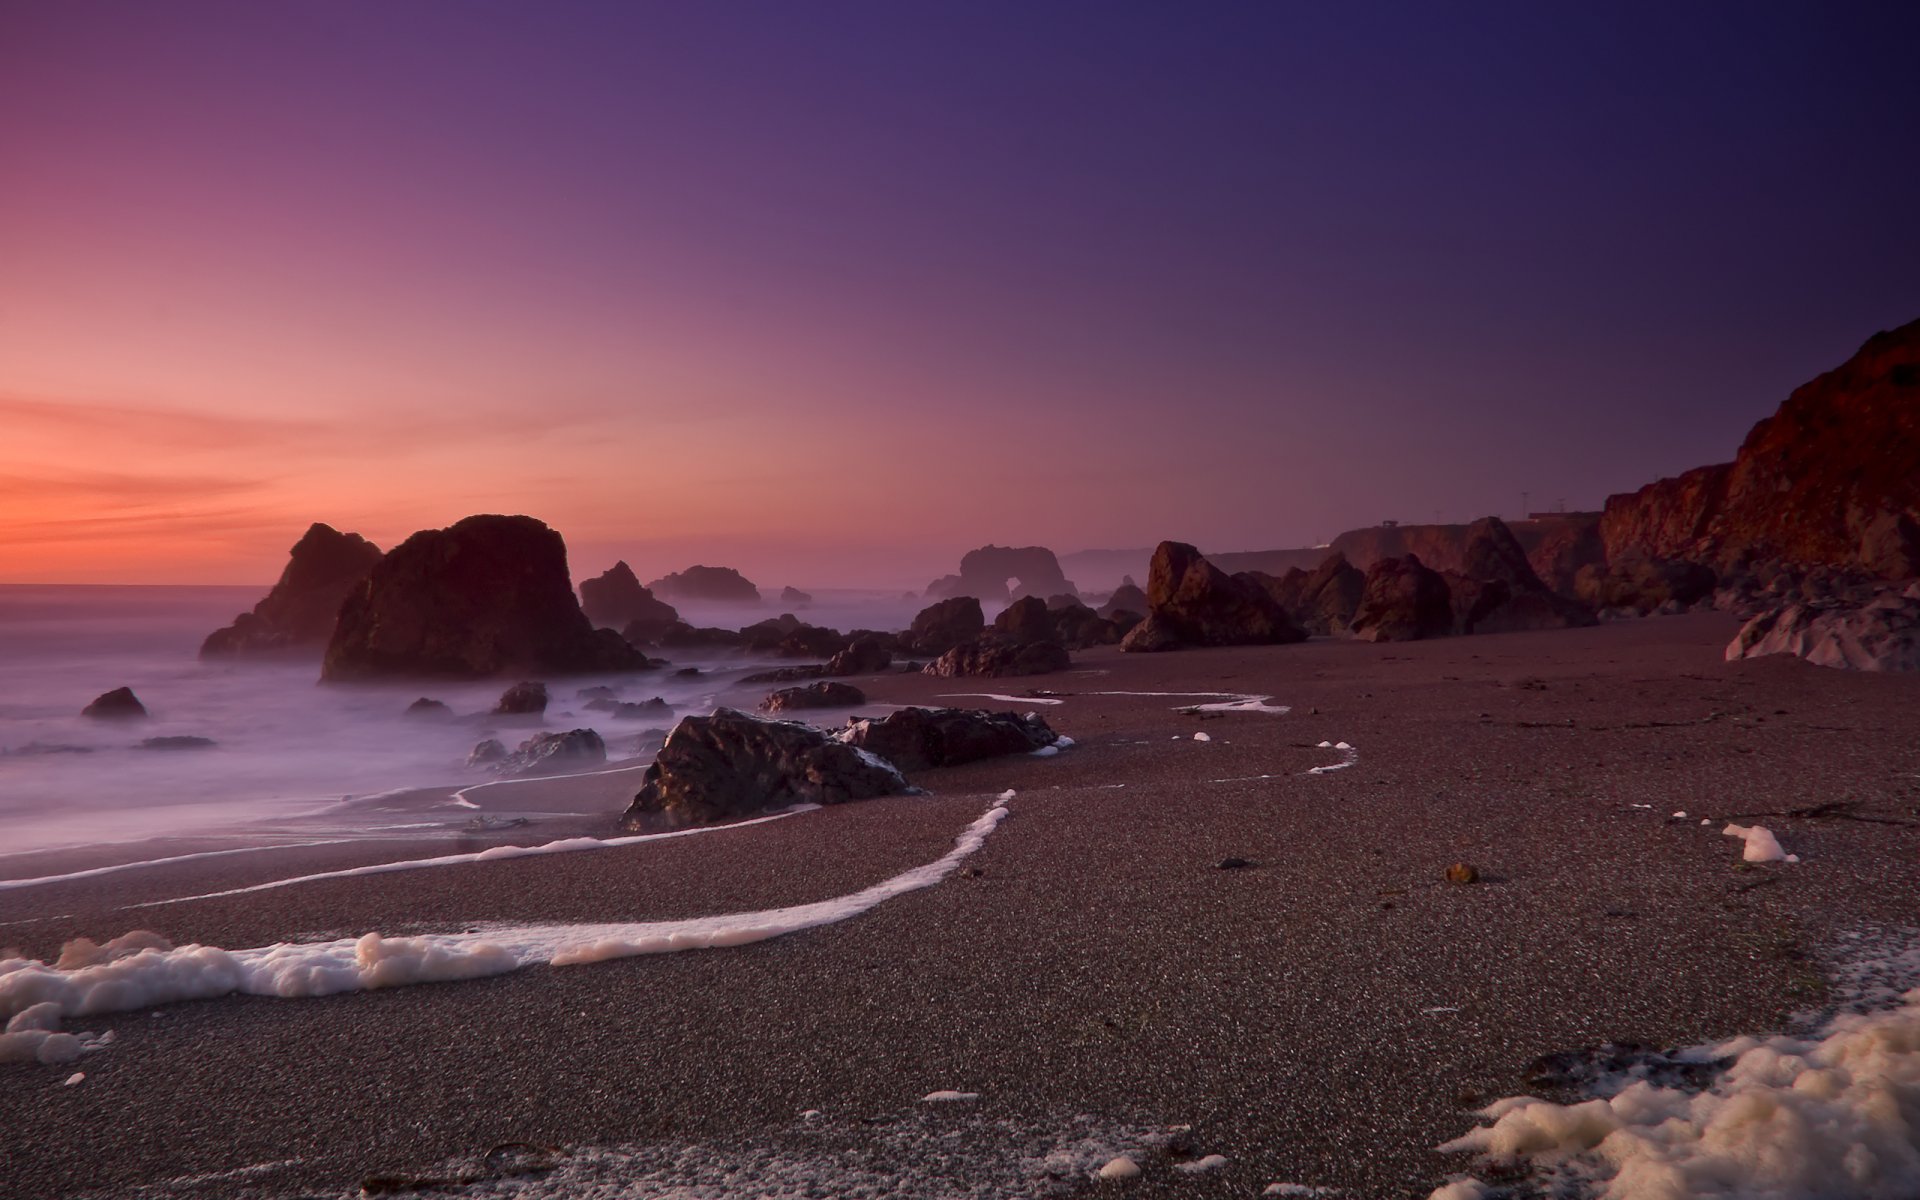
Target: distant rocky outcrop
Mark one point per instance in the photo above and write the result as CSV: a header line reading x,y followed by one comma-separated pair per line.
x,y
793,597
1321,601
1191,602
1126,598
1829,479
940,627
915,739
300,610
1497,591
1882,634
1404,601
733,764
616,599
818,695
120,704
712,585
486,596
992,657
985,574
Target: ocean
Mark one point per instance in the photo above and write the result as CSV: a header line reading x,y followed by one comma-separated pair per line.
x,y
287,751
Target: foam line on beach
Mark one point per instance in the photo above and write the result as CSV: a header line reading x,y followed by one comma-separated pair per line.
x,y
460,797
491,854
1002,699
1223,702
141,971
95,872
1349,756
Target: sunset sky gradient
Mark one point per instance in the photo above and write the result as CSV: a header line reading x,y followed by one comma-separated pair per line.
x,y
833,292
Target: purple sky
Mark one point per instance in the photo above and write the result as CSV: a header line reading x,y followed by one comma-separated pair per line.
x,y
832,292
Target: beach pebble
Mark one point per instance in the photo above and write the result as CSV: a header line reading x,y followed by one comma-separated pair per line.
x,y
1119,1168
1461,872
948,1097
74,1078
1199,1166
1232,864
1202,736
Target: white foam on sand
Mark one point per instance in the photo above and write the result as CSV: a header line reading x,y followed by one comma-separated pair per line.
x,y
1348,757
1761,845
141,970
1224,702
1832,1114
461,798
491,854
995,696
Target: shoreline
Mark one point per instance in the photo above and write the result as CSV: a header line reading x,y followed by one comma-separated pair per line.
x,y
1317,1017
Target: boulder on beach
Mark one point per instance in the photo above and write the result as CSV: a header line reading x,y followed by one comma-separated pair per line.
x,y
865,654
1403,602
1194,603
940,627
1126,598
916,739
616,599
486,596
710,585
1027,619
486,753
120,704
1321,601
1883,634
990,657
428,709
819,695
1078,627
522,699
300,610
733,764
554,753
1497,591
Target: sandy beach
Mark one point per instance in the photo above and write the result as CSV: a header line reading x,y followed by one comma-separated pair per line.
x,y
1324,1016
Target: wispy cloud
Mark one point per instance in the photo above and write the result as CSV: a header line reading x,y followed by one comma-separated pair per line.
x,y
115,489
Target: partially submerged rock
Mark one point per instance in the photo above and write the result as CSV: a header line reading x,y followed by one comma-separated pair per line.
x,y
1880,635
915,739
177,742
120,704
555,753
819,695
522,699
864,654
733,764
300,610
427,709
713,585
618,600
486,596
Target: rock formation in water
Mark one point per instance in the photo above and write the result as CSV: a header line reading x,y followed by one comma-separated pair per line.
x,y
915,739
300,610
986,574
711,585
486,596
793,597
1829,479
616,599
554,754
733,764
120,704
1191,602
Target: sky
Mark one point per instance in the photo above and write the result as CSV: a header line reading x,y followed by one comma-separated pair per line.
x,y
832,292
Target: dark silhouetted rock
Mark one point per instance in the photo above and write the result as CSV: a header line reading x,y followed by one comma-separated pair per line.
x,y
120,704
1191,602
915,739
711,585
1498,592
486,596
794,598
1025,620
733,764
681,634
622,710
1403,602
811,641
300,611
940,627
427,709
864,655
617,600
177,742
1078,627
1322,600
988,658
1882,634
819,695
1645,585
523,699
1126,598
1151,635
486,753
555,753
986,572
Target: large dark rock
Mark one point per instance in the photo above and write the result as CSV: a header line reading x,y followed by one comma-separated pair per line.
x,y
1828,479
120,704
733,764
1126,598
487,596
915,739
986,572
555,753
523,699
818,695
1497,590
940,627
1194,603
681,634
713,585
1078,627
1322,600
300,611
617,600
865,654
992,658
1025,620
1403,602
1883,634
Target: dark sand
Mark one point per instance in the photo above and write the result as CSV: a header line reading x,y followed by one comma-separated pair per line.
x,y
1098,963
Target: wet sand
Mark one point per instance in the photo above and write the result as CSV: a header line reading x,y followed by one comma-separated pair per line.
x,y
1325,1016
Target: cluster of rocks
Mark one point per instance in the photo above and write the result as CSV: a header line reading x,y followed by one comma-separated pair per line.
x,y
542,754
733,764
1880,632
1191,602
1496,591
